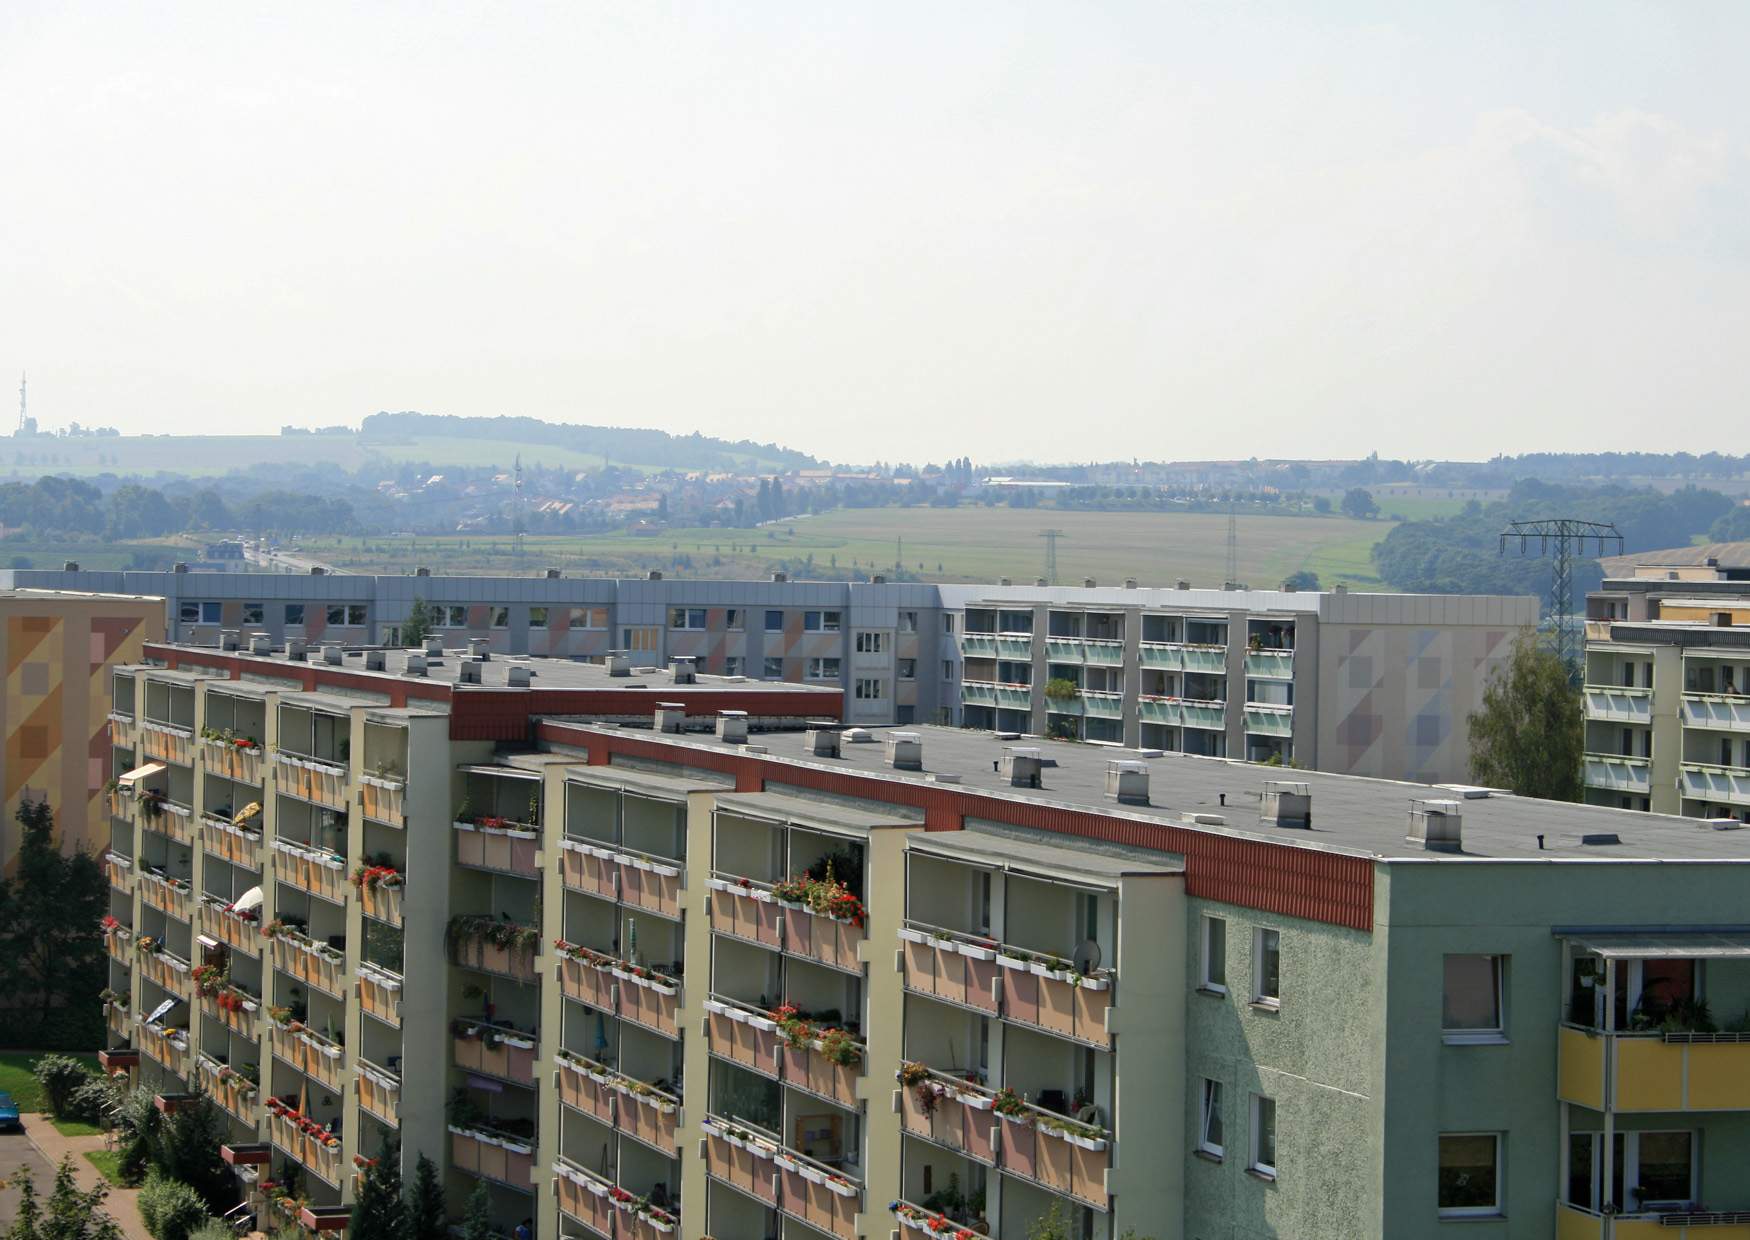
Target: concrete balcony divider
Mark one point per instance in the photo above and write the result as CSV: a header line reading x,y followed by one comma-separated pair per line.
x,y
652,1001
309,1052
589,868
492,1050
238,845
311,869
379,1092
513,848
321,966
311,779
381,800
380,994
583,1196
167,743
587,1086
501,1157
477,952
172,895
218,921
231,760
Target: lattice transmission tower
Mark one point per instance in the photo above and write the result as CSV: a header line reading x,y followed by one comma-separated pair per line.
x,y
1565,538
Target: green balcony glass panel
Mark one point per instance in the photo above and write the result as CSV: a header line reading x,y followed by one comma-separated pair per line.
x,y
1063,650
977,645
1019,648
1103,705
974,694
1162,656
1205,659
1265,721
1204,715
1270,664
1159,712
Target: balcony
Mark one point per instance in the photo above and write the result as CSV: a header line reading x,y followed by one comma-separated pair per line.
x,y
169,971
797,1186
977,693
1269,664
166,742
235,1008
493,1154
914,1217
497,1051
1026,988
1065,650
310,779
1723,712
220,837
232,758
493,945
119,870
1615,773
597,1203
171,895
319,1058
638,879
382,800
978,646
379,889
318,964
742,1159
1578,1223
305,1141
118,942
1651,1072
121,729
760,913
1014,647
1182,712
1616,704
117,1019
636,993
1099,653
1269,720
634,1107
229,1088
171,819
380,994
1729,785
311,869
824,1062
167,1047
1102,705
241,931
499,845
1184,657
379,1092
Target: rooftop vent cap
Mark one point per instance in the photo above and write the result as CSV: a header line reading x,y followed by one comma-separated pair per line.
x,y
333,654
1437,826
1181,584
1130,583
70,566
1206,820
433,646
1022,766
1040,581
416,665
519,675
374,661
1127,781
732,727
480,648
1286,803
669,717
468,674
944,777
178,567
821,740
228,639
685,669
1004,581
619,663
757,749
422,571
654,574
260,643
858,736
879,579
780,576
552,574
316,570
1089,583
905,750
295,649
1722,824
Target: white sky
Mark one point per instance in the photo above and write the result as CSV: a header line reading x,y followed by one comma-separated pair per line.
x,y
897,231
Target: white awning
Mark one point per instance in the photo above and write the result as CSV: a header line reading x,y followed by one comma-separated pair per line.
x,y
507,772
138,773
1675,945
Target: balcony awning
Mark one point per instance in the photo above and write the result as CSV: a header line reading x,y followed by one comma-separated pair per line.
x,y
1675,945
507,772
138,773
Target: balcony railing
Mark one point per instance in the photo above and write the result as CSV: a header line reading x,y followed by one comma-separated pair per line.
x,y
1182,712
228,759
751,910
494,1050
502,1157
739,1157
310,779
379,1091
1650,1072
121,729
479,943
634,993
996,1128
381,800
321,1059
316,963
978,646
1026,988
118,1020
503,847
1101,653
1270,664
1264,720
219,921
381,899
771,1173
167,743
1727,784
172,895
169,1047
914,1217
1098,705
318,871
119,870
606,1209
1183,657
238,845
171,819
230,1089
169,971
380,994
641,880
1618,704
634,1107
118,941
237,1009
757,1040
1726,712
305,1142
1617,773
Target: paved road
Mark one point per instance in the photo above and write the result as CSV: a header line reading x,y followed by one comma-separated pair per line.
x,y
16,1151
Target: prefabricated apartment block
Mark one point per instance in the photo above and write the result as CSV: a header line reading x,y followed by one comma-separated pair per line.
x,y
656,970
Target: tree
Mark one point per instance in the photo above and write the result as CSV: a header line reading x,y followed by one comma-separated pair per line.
x,y
186,1148
1305,579
417,627
51,952
1358,502
377,1211
1321,504
424,1217
1055,1225
477,1222
1528,735
73,1213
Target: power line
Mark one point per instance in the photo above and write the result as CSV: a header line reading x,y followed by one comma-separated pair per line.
x,y
1051,537
1563,537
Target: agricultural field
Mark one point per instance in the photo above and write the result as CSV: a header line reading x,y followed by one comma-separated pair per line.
x,y
935,544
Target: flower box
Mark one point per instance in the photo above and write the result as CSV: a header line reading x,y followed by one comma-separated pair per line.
x,y
908,935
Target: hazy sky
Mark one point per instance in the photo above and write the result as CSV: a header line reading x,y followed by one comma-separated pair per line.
x,y
896,231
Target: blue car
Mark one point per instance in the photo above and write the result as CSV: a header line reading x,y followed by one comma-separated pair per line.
x,y
9,1112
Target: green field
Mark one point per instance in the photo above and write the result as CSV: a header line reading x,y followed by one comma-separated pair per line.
x,y
936,544
1400,502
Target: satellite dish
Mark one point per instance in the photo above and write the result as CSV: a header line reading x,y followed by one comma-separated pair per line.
x,y
248,902
1087,957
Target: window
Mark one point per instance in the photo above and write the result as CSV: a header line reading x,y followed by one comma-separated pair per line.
x,y
537,617
1209,1135
210,613
822,669
1470,1009
501,617
456,616
948,622
1267,967
871,643
337,613
947,669
908,622
1215,954
1470,1173
589,618
254,613
820,621
908,669
686,617
1263,1135
294,613
189,613
774,668
1650,1170
732,617
732,665
774,621
870,689
642,639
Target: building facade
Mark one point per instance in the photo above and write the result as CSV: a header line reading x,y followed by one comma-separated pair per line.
x,y
1363,684
700,979
59,649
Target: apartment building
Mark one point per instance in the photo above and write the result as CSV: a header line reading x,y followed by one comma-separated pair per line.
x,y
646,975
59,648
1366,684
1667,691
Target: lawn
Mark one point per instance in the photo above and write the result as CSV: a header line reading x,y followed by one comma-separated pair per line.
x,y
964,544
16,1079
109,1162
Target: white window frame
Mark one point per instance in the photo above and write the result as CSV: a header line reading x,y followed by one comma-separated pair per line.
x,y
1484,1036
869,689
906,669
1211,1107
766,672
732,664
1255,1158
1206,977
1631,1167
816,668
1259,998
1494,1210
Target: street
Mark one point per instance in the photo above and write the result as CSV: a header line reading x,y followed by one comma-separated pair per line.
x,y
16,1152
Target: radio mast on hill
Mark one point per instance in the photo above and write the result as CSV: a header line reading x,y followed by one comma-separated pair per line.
x,y
23,417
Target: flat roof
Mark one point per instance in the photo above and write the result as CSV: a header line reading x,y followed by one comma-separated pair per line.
x,y
820,815
1058,862
640,782
1351,814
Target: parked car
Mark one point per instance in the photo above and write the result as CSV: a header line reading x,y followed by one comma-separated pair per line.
x,y
9,1112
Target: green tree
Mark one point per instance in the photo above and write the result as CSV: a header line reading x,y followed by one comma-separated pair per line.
x,y
417,627
425,1217
1055,1225
186,1149
477,1222
377,1211
73,1213
1305,579
51,953
1528,735
1358,502
59,1076
171,1209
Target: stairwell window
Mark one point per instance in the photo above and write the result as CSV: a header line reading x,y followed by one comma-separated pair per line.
x,y
1214,973
1263,1159
870,689
1470,1174
1471,1007
1267,967
1209,1134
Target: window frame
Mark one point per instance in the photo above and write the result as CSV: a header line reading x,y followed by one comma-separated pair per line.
x,y
255,613
1259,998
815,668
1205,978
538,616
767,673
294,609
1481,1036
733,664
906,669
1211,1107
1255,1153
777,612
1493,1210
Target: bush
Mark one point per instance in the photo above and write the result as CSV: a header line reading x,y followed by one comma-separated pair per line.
x,y
213,1229
171,1209
60,1076
93,1100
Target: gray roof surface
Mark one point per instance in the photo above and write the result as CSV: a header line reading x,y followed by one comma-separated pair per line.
x,y
1028,856
1350,814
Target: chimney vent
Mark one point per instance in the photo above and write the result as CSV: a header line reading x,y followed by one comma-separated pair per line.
x,y
316,570
821,740
480,648
1004,581
654,574
179,567
433,646
70,566
1130,583
1181,584
732,727
374,661
619,663
878,579
295,649
1022,766
1127,781
670,716
468,673
416,665
1089,583
552,574
1437,826
1287,803
260,643
228,639
905,751
780,576
518,675
422,571
1038,581
332,654
685,669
